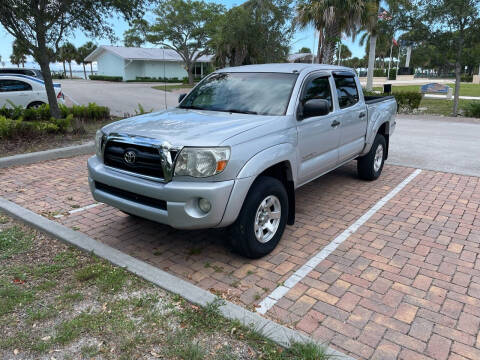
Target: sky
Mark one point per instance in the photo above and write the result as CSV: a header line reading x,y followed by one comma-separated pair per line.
x,y
301,39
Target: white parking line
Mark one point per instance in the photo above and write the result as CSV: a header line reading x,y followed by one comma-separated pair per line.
x,y
71,99
282,290
77,210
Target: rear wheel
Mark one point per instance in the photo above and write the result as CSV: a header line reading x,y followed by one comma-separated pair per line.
x,y
35,105
262,220
370,166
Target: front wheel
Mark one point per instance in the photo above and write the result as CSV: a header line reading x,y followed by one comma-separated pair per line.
x,y
370,166
262,220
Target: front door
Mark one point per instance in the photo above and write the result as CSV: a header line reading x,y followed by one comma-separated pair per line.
x,y
318,137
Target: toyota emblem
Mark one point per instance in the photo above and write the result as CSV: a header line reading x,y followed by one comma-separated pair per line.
x,y
130,157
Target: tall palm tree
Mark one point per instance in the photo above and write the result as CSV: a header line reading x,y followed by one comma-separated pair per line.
x,y
331,18
82,53
67,53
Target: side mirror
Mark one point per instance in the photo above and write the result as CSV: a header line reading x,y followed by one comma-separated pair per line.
x,y
181,97
315,107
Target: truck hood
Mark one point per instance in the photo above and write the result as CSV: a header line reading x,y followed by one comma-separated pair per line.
x,y
186,127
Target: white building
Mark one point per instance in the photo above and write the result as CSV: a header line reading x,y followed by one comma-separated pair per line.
x,y
130,63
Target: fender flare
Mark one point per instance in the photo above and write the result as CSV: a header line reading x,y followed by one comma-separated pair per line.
x,y
251,170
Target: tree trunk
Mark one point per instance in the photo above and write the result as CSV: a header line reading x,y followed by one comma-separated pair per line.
x,y
371,61
64,69
320,46
70,67
456,97
91,68
44,63
84,71
330,44
190,74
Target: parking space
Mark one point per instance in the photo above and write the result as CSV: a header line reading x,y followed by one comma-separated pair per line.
x,y
405,284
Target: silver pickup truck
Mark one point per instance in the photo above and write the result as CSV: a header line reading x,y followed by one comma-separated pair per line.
x,y
238,145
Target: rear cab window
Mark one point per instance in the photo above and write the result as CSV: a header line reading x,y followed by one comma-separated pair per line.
x,y
347,90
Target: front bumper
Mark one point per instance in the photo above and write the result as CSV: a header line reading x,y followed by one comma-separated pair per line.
x,y
181,198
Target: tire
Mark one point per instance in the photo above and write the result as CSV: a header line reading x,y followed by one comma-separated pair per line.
x,y
35,105
265,191
370,166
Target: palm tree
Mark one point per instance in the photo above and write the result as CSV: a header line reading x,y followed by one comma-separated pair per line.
x,y
18,54
331,18
82,53
67,53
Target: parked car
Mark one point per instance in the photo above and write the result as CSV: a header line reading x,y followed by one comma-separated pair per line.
x,y
26,91
238,145
22,71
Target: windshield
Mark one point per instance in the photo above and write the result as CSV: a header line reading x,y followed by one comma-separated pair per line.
x,y
249,93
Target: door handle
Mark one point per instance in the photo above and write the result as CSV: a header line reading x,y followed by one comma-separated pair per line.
x,y
335,123
362,115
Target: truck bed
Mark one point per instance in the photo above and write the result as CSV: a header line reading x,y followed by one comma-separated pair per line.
x,y
376,99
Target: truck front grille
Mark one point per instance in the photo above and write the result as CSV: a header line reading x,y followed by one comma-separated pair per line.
x,y
144,161
127,195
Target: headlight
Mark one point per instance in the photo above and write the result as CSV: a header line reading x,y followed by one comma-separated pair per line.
x,y
99,139
202,162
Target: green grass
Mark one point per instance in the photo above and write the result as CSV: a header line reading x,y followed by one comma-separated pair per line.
x,y
466,89
67,296
13,241
443,107
171,88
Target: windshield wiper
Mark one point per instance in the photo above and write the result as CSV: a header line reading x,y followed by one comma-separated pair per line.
x,y
192,107
240,111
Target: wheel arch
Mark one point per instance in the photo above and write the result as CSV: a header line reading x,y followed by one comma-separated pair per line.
x,y
278,162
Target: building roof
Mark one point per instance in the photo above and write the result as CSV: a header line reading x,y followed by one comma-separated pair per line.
x,y
284,68
145,54
299,56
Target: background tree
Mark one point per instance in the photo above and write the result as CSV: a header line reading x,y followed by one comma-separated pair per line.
x,y
82,52
42,24
452,21
68,53
343,52
305,50
331,18
183,26
19,54
256,32
135,36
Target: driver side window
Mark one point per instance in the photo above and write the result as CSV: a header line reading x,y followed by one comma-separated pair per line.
x,y
318,88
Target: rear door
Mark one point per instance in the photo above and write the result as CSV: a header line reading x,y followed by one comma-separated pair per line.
x,y
352,115
15,91
318,137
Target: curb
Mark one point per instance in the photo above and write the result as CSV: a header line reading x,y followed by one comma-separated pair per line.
x,y
35,157
278,333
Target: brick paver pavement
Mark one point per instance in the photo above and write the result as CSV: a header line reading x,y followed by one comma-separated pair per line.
x,y
405,285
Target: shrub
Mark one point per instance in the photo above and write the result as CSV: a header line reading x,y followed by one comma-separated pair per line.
x,y
379,73
408,101
393,74
19,128
467,78
106,78
473,110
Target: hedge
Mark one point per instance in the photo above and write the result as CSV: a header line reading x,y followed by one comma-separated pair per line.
x,y
473,110
20,128
106,78
159,79
379,73
18,122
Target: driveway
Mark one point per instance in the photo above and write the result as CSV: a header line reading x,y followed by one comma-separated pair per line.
x,y
436,143
380,270
123,99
